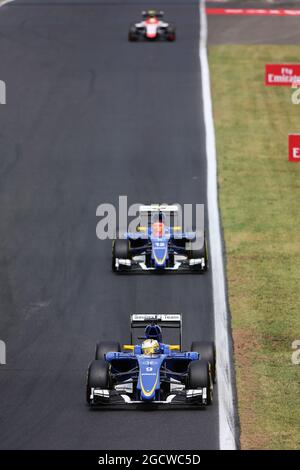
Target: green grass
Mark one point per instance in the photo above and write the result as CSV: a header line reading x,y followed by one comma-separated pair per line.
x,y
260,209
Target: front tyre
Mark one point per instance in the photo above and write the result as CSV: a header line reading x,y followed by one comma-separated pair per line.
x,y
97,377
171,33
199,376
194,252
120,250
132,34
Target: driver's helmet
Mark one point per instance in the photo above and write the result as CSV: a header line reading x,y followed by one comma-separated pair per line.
x,y
150,346
151,13
158,229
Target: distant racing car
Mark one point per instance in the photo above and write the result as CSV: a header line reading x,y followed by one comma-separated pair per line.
x,y
159,244
152,372
152,27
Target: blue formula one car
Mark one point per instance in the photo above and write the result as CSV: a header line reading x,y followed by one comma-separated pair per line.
x,y
152,372
159,244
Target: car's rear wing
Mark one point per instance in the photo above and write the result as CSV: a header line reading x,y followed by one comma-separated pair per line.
x,y
170,213
158,14
159,208
170,323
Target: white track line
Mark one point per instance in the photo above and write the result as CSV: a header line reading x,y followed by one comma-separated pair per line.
x,y
227,430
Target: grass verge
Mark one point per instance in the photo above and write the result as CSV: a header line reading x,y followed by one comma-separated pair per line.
x,y
259,194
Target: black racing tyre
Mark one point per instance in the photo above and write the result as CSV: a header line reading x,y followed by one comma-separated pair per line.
x,y
121,249
132,34
104,347
199,376
207,351
194,252
199,252
171,33
97,377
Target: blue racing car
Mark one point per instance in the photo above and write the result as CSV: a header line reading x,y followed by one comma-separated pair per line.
x,y
159,244
152,372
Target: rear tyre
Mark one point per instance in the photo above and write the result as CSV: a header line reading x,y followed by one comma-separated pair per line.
x,y
199,376
121,250
104,347
207,351
97,377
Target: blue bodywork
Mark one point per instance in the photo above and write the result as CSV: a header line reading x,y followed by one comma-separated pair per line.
x,y
148,369
160,247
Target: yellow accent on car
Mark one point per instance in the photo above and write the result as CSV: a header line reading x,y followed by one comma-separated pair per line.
x,y
128,347
162,260
140,228
174,347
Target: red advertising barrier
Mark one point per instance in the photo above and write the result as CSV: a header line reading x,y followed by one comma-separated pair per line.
x,y
252,12
282,74
294,147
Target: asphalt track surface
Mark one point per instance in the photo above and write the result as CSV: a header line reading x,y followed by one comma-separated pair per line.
x,y
90,117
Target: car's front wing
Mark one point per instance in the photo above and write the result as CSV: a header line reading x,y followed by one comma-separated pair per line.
x,y
104,397
181,264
